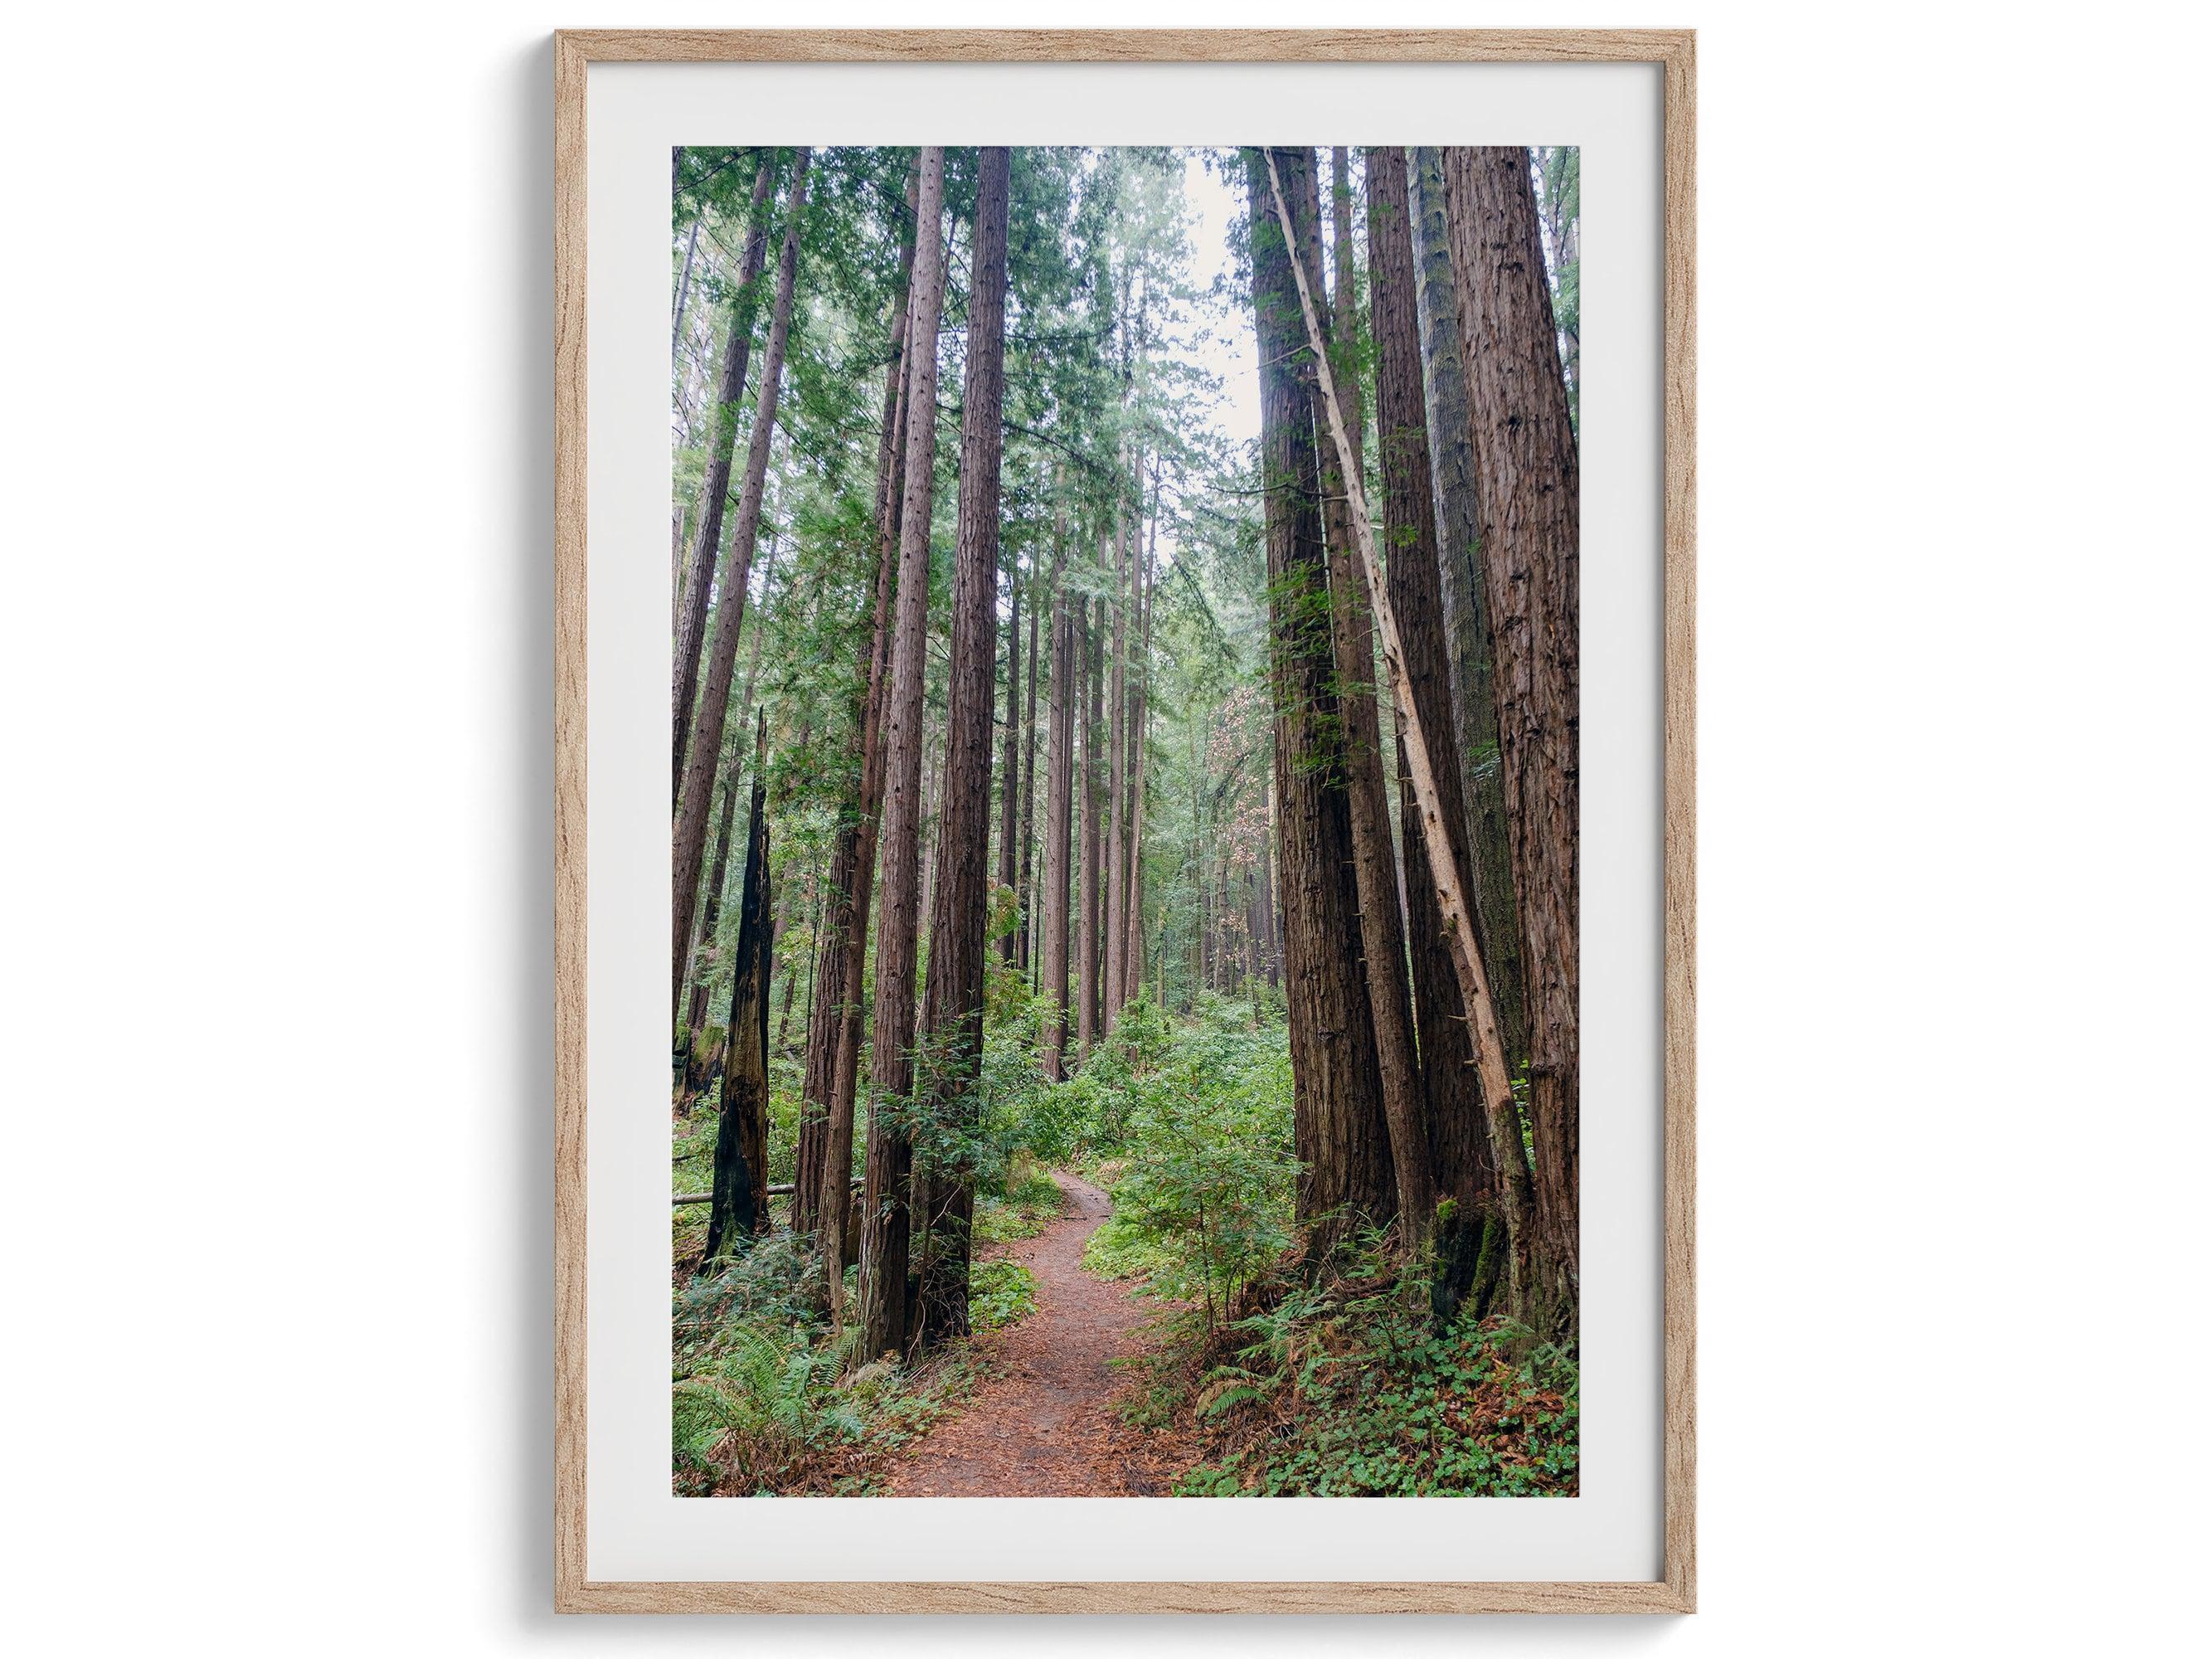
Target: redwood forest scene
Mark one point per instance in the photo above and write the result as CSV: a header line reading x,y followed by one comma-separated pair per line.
x,y
1124,800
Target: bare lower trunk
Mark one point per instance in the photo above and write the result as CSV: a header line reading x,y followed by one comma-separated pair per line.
x,y
952,1008
1451,901
1470,1235
1026,817
1338,1125
740,1200
1052,896
1465,611
1529,477
1086,879
884,1219
1009,774
833,1058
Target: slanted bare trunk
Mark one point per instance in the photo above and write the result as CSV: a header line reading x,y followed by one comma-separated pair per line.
x,y
884,1217
698,770
952,1007
1529,478
714,492
1465,615
1374,863
740,1204
1451,901
1339,1132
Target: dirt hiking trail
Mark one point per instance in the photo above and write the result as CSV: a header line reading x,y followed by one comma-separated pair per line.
x,y
1046,1424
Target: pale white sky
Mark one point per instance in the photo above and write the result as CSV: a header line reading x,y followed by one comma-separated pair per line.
x,y
1228,349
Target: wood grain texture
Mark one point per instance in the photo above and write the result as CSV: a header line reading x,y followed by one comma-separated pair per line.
x,y
1674,51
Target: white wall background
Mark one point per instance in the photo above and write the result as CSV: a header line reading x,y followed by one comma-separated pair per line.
x,y
275,659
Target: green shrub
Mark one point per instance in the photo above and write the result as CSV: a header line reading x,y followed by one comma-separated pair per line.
x,y
998,1293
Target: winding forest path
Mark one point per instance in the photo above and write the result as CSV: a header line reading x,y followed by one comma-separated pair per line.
x,y
1045,1424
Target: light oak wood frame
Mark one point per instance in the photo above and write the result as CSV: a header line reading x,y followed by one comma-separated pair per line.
x,y
1675,51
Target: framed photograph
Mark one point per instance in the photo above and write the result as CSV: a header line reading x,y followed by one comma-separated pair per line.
x,y
1128,598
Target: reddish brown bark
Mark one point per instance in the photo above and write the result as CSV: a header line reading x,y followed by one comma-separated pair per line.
x,y
1052,894
1530,485
952,1005
696,795
1459,1132
833,1027
884,1217
698,580
1338,1126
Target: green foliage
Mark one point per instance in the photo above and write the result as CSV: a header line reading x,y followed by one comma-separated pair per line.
x,y
1203,1206
998,1293
1338,1396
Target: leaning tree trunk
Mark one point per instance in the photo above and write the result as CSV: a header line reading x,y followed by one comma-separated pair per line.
x,y
834,1021
885,1216
1451,899
714,493
1052,896
952,1007
698,772
1470,1235
1374,862
740,1201
1339,1133
1465,614
1529,477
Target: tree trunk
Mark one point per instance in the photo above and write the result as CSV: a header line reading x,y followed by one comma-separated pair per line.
x,y
714,492
1375,867
1086,880
1466,615
1451,901
1115,874
1529,478
1052,896
1133,945
1026,817
696,1015
952,1007
682,290
1469,1237
1009,769
885,1220
698,767
1338,1131
740,1202
833,1067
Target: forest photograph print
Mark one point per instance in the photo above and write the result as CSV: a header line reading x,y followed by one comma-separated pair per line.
x,y
1125,797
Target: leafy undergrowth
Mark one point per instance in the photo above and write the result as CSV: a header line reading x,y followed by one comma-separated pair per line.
x,y
769,1400
1344,1388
